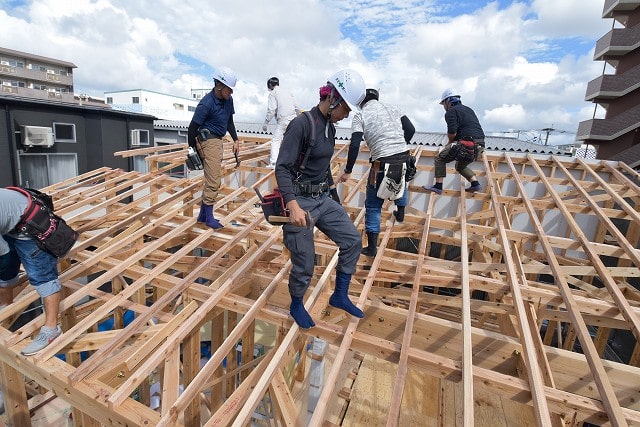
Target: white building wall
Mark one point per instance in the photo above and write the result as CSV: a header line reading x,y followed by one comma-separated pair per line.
x,y
162,106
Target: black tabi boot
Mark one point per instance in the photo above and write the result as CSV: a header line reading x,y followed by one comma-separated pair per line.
x,y
372,241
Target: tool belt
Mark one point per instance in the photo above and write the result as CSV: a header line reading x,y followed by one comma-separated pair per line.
x,y
464,150
396,159
309,189
48,230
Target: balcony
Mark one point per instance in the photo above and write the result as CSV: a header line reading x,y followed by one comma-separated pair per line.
x,y
613,86
36,76
617,6
617,42
38,94
610,128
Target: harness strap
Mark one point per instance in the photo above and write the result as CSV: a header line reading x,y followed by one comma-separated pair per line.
x,y
35,205
312,142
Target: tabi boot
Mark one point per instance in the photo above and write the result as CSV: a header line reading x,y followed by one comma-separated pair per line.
x,y
202,216
210,220
372,248
399,213
475,186
340,297
300,314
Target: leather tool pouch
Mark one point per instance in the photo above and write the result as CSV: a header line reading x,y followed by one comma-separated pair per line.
x,y
272,204
49,231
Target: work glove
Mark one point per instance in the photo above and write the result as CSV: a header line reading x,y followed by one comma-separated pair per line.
x,y
4,261
334,195
264,127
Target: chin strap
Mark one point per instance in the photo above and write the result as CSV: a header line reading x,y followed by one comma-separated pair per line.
x,y
333,103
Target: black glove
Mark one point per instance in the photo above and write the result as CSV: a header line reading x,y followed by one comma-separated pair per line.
x,y
334,195
4,261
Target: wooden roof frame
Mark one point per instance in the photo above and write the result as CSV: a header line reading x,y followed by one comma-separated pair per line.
x,y
550,244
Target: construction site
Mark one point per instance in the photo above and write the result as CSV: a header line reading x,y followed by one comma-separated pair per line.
x,y
513,306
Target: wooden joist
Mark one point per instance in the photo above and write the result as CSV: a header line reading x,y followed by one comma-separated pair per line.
x,y
505,297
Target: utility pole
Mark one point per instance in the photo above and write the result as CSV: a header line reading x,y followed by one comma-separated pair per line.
x,y
548,131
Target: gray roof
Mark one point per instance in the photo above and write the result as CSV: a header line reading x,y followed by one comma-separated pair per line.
x,y
433,139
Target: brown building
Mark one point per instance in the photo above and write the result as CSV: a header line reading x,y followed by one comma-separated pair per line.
x,y
617,135
32,76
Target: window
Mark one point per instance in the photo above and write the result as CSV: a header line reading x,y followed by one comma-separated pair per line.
x,y
139,137
14,83
135,100
12,63
192,109
64,132
42,170
109,100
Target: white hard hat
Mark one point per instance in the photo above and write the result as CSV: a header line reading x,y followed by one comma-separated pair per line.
x,y
448,93
225,76
350,86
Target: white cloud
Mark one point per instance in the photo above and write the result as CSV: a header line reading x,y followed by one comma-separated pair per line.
x,y
524,65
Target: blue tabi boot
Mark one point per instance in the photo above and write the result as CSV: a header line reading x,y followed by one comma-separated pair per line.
x,y
210,220
340,298
202,216
300,314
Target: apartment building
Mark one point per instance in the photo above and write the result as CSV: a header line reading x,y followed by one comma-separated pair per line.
x,y
33,76
617,135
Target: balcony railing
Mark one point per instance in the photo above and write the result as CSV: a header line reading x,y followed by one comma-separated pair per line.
x,y
38,94
618,42
613,86
610,128
36,75
611,6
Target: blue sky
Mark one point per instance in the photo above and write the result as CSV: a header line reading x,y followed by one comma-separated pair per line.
x,y
519,64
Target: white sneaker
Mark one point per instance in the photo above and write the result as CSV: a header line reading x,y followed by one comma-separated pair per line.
x,y
44,338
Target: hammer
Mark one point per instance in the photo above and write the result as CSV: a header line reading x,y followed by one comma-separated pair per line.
x,y
287,220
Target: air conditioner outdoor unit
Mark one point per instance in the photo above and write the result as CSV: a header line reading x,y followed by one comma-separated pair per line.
x,y
37,136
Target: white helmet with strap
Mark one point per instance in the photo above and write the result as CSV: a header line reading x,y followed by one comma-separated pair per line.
x,y
225,76
448,93
350,85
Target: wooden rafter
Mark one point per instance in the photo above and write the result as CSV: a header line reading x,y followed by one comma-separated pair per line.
x,y
513,293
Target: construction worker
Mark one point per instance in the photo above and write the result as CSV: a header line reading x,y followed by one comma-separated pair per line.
x,y
281,106
40,265
386,130
462,124
304,178
211,121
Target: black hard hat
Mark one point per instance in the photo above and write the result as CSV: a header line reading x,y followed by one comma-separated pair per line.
x,y
273,82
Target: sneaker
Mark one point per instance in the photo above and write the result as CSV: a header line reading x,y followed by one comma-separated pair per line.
x,y
433,189
473,188
43,339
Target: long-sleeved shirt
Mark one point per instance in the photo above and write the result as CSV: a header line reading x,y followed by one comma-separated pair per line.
x,y
12,206
381,126
319,161
281,105
214,114
462,121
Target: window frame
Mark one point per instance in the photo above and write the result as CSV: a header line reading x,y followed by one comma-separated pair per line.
x,y
66,140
